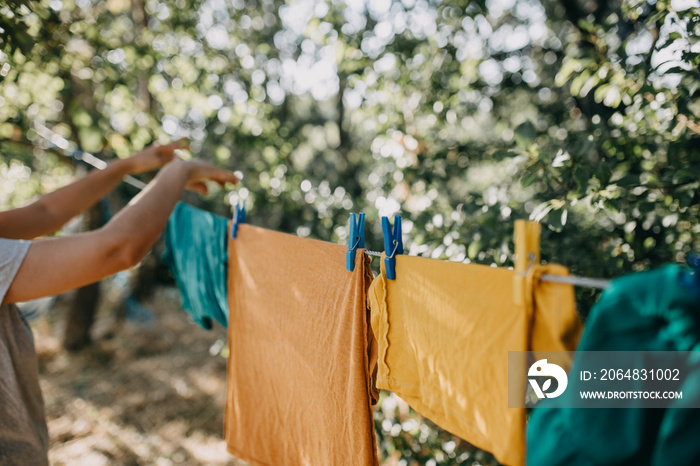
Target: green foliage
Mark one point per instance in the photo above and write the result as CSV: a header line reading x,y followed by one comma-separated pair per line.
x,y
461,115
404,436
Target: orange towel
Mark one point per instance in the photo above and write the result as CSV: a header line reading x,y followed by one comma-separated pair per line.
x,y
300,384
444,330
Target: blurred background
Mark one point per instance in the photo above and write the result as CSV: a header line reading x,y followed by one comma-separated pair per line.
x,y
461,116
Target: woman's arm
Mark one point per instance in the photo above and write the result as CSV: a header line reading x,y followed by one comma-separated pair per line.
x,y
55,265
51,211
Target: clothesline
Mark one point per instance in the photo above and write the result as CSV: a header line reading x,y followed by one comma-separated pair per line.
x,y
78,154
261,281
96,162
598,283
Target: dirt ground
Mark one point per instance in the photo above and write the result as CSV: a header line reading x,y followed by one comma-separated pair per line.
x,y
143,394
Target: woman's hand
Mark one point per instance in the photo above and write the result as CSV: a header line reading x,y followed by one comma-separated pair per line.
x,y
155,156
200,170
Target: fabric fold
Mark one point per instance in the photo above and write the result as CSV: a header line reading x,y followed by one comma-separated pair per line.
x,y
551,307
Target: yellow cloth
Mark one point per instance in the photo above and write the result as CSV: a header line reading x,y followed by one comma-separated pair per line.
x,y
300,384
444,330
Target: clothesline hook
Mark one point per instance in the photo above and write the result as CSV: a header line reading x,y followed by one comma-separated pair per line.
x,y
530,264
393,253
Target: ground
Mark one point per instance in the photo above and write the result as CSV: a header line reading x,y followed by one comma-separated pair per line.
x,y
143,394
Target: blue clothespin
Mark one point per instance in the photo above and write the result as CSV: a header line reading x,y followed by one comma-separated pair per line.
x,y
393,244
356,239
238,218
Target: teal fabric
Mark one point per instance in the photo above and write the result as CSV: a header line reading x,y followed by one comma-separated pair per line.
x,y
196,246
646,311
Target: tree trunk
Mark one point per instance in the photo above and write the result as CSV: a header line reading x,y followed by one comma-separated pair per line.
x,y
146,277
82,313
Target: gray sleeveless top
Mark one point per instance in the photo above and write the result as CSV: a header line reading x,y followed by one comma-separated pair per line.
x,y
23,434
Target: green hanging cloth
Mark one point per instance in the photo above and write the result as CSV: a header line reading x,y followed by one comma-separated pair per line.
x,y
196,246
656,310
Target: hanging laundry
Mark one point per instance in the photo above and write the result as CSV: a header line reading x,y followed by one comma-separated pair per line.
x,y
646,311
195,252
444,330
300,384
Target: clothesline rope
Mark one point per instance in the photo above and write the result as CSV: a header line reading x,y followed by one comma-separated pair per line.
x,y
586,282
598,283
64,144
